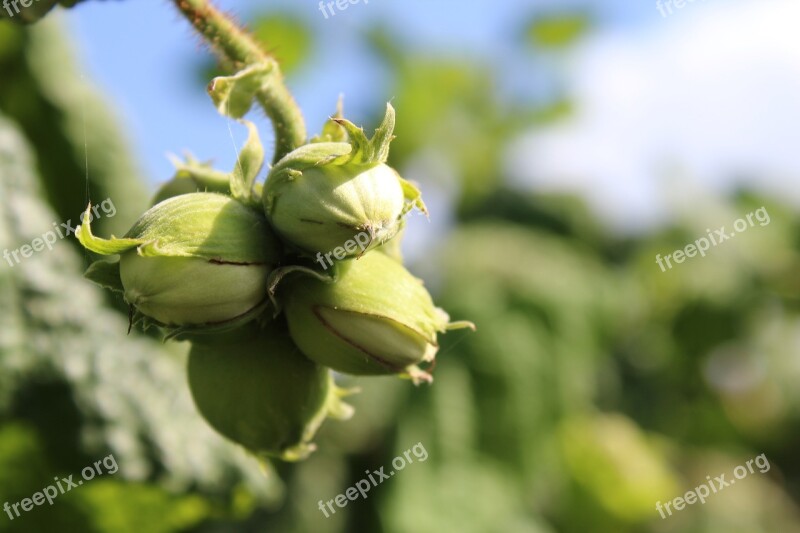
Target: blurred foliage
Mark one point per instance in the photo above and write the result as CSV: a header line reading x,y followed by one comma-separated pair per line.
x,y
285,36
68,124
595,386
453,100
557,30
79,395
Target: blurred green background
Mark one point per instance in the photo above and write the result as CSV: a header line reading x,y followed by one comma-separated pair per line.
x,y
595,386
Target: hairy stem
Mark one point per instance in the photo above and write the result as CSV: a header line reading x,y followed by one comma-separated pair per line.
x,y
239,49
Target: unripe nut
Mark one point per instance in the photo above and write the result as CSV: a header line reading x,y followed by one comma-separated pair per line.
x,y
376,318
194,259
262,393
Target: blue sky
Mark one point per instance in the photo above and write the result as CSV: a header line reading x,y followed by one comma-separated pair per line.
x,y
676,113
142,53
708,90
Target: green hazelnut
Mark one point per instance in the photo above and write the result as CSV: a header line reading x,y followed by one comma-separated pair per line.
x,y
376,318
262,393
194,260
324,194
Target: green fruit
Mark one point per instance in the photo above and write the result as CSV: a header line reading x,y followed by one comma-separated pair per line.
x,y
324,194
328,206
198,259
259,391
185,290
376,318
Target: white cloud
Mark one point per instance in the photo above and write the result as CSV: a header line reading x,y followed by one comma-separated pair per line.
x,y
711,93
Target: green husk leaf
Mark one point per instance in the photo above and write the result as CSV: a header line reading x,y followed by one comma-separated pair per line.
x,y
205,225
99,245
312,155
191,176
331,130
248,165
461,324
276,276
370,151
233,95
413,195
200,172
